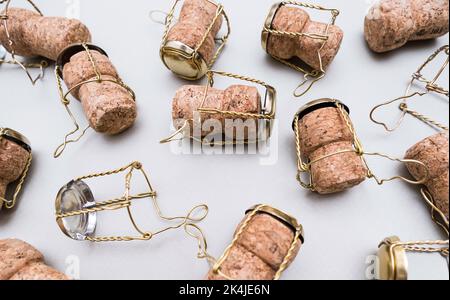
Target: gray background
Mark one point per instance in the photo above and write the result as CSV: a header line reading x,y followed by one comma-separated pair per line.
x,y
341,230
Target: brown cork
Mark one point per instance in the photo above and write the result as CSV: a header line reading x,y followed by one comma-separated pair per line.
x,y
297,20
109,107
34,35
236,98
195,18
390,24
21,261
324,132
13,161
260,250
434,153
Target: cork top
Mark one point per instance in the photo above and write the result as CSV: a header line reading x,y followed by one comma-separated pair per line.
x,y
269,24
286,219
15,137
65,55
393,261
315,105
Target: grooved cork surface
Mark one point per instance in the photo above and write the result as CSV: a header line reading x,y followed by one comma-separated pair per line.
x,y
13,160
109,107
34,35
297,20
196,17
236,98
434,153
390,24
260,250
20,261
323,132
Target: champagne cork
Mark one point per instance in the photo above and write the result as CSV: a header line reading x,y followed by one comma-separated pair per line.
x,y
260,250
34,35
195,19
324,132
236,98
433,152
390,24
14,157
296,20
109,107
20,261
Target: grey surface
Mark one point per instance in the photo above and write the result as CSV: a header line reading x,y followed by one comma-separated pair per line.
x,y
341,230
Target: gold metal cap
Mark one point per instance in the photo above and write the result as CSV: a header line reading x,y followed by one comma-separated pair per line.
x,y
15,137
315,105
393,263
268,24
183,60
281,216
68,52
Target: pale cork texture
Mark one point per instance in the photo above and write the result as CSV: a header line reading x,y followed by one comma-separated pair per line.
x,y
324,132
109,107
13,161
297,20
390,24
260,250
34,35
21,261
237,98
434,153
196,17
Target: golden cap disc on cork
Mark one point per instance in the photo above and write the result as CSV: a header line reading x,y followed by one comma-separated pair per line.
x,y
288,220
317,104
393,263
15,137
269,23
67,53
183,61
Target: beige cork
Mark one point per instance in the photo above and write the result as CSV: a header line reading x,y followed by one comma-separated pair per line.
x,y
390,24
260,250
21,261
35,35
324,132
236,98
434,153
13,161
195,18
297,20
109,107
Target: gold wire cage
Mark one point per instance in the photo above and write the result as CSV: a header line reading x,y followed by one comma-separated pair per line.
x,y
216,264
309,73
266,116
430,86
393,263
63,58
16,137
185,61
89,208
305,166
14,61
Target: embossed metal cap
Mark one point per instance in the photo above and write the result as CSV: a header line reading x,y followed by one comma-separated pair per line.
x,y
393,263
183,60
317,104
15,137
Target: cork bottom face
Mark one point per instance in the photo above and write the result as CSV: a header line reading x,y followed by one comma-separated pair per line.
x,y
338,172
13,161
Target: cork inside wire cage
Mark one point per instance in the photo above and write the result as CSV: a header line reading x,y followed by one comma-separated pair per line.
x,y
304,164
264,120
393,261
64,58
185,60
282,217
428,86
77,209
10,47
20,140
313,74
